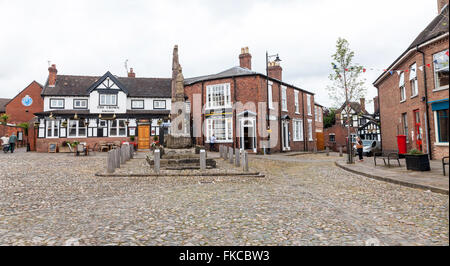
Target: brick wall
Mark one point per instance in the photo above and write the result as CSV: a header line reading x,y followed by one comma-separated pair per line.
x,y
18,112
340,136
391,108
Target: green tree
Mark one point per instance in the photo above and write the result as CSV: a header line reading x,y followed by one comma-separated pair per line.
x,y
329,118
4,118
348,85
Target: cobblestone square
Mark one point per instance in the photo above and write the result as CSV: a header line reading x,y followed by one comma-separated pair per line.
x,y
56,199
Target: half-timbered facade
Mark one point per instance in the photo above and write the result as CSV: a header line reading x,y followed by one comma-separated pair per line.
x,y
102,108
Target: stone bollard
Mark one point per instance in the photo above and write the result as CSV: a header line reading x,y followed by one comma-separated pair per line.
x,y
237,157
131,151
340,151
327,150
221,151
122,156
202,160
230,155
315,149
245,161
157,160
116,158
110,163
225,153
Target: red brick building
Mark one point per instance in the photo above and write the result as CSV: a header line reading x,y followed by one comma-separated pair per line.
x,y
249,110
318,121
413,94
22,107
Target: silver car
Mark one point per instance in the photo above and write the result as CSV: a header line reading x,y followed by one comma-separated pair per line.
x,y
371,147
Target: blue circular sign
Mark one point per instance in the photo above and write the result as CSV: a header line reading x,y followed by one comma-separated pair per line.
x,y
27,100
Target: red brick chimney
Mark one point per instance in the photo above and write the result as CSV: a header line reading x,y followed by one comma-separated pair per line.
x,y
275,70
131,74
245,58
376,107
441,4
52,75
362,102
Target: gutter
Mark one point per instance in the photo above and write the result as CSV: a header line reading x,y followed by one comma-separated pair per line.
x,y
426,102
406,54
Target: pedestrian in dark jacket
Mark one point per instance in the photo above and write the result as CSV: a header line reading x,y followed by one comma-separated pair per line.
x,y
359,148
12,142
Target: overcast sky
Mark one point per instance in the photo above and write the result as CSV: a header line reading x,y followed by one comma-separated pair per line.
x,y
92,37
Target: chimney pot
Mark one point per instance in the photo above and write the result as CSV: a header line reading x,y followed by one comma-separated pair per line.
x,y
245,58
131,74
52,71
275,70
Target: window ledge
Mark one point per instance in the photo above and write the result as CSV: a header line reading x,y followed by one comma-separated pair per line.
x,y
403,101
414,96
440,88
443,144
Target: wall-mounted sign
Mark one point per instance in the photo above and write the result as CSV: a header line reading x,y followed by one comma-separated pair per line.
x,y
27,100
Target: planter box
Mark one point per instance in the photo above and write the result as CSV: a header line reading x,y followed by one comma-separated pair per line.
x,y
417,162
64,149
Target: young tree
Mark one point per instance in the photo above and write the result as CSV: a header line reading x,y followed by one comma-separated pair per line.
x,y
348,85
329,118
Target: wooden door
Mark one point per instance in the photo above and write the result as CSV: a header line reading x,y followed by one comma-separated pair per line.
x,y
320,141
144,137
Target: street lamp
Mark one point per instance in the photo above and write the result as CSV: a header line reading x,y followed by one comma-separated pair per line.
x,y
277,59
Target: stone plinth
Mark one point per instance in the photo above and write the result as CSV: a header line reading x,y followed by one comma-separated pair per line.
x,y
178,142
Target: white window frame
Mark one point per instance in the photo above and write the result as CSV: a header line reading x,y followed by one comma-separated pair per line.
x,y
332,134
117,128
270,96
436,69
308,104
297,106
283,99
298,129
436,130
413,80
215,91
401,85
310,135
209,123
105,97
54,125
77,129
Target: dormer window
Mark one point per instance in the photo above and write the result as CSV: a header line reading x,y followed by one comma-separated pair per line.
x,y
108,99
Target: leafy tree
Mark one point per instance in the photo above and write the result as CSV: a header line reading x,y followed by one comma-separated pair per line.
x,y
348,86
329,118
4,118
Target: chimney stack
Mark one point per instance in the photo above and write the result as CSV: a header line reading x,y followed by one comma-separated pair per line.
x,y
245,58
376,106
131,74
362,102
275,70
52,71
441,4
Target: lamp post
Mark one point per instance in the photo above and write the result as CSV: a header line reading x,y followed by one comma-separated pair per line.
x,y
277,59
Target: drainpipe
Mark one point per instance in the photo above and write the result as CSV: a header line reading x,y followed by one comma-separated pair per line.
x,y
202,115
234,115
426,101
379,115
303,123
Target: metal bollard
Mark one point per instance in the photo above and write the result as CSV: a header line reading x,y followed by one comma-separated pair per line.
x,y
340,151
230,155
202,160
157,160
245,161
237,161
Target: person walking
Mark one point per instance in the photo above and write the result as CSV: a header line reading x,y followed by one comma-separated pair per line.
x,y
359,148
212,143
5,143
12,142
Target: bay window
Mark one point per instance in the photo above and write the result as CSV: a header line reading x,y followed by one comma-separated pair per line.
x,y
221,127
441,70
218,96
108,99
413,80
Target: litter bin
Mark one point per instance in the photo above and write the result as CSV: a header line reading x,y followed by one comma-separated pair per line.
x,y
401,143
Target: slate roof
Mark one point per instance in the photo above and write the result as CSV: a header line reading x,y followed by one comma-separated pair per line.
x,y
70,85
3,102
355,106
236,71
438,26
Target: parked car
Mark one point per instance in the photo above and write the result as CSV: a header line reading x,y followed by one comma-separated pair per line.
x,y
370,147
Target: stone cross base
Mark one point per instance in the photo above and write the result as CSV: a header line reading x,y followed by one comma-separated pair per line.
x,y
178,142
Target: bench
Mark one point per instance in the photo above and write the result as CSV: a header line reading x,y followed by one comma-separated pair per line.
x,y
387,155
444,163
